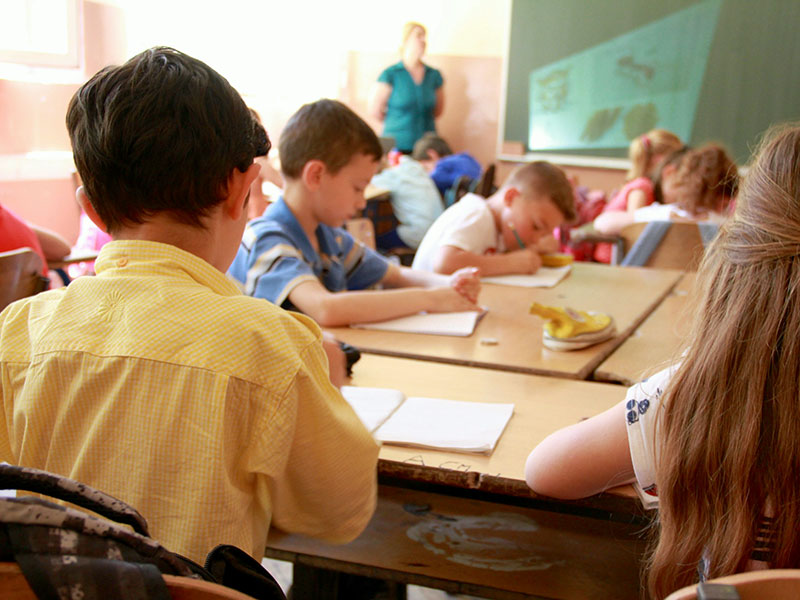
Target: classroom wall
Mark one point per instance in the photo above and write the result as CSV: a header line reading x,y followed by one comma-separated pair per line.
x,y
35,162
279,55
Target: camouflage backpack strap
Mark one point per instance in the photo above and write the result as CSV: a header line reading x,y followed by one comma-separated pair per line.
x,y
13,477
66,553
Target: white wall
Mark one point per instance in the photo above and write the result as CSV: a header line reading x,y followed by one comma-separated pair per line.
x,y
280,54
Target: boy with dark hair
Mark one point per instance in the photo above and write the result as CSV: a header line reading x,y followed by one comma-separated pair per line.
x,y
504,233
297,255
444,167
156,380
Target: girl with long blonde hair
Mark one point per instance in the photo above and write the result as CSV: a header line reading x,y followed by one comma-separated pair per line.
x,y
717,436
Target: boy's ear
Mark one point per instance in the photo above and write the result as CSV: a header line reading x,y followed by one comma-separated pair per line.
x,y
86,205
510,195
312,173
238,188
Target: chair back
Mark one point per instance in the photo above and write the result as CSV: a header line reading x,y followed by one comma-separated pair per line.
x,y
14,586
363,230
20,275
666,244
775,584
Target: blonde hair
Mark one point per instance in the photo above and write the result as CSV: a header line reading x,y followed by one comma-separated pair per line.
x,y
409,27
728,451
656,142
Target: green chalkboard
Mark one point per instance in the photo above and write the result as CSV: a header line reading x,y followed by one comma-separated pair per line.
x,y
586,76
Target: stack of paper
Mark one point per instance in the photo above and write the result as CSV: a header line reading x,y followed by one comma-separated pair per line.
x,y
429,422
545,277
455,323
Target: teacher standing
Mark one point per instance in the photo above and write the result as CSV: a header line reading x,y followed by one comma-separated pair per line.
x,y
408,95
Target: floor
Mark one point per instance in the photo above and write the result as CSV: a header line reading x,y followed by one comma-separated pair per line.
x,y
282,572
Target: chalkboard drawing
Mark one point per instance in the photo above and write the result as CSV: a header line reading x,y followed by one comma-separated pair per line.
x,y
553,90
640,119
601,121
603,96
639,73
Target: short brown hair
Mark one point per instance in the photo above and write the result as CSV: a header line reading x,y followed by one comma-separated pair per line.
x,y
542,177
161,133
328,131
430,141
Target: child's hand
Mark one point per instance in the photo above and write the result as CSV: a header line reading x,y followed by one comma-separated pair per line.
x,y
337,362
467,282
447,299
548,245
523,261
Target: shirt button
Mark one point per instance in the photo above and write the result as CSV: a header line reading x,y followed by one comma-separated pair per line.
x,y
122,262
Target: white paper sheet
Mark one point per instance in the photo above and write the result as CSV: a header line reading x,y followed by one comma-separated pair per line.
x,y
446,424
372,405
455,323
545,277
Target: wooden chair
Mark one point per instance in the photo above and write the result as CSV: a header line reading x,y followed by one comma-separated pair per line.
x,y
20,275
666,244
775,584
14,586
362,229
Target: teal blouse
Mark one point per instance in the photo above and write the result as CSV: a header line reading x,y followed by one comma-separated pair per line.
x,y
409,112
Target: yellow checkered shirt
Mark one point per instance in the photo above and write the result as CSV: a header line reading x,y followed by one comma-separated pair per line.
x,y
209,411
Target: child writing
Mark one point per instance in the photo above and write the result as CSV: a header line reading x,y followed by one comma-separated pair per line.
x,y
692,185
716,435
504,233
297,255
156,380
444,167
645,153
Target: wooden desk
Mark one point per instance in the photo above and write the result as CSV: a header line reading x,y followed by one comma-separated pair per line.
x,y
75,257
379,209
468,523
628,294
656,343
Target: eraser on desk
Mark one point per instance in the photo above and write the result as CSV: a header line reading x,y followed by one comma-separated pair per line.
x,y
489,341
557,259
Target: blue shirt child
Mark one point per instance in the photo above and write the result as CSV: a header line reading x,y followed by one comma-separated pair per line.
x,y
276,255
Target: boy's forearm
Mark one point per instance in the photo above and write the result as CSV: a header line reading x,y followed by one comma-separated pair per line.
x,y
346,308
403,277
495,264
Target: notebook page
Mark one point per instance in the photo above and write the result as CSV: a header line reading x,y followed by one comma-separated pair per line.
x,y
446,424
372,405
454,323
545,277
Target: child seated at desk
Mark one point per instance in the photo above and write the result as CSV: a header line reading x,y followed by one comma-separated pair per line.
x,y
505,233
156,380
715,437
692,185
298,256
444,167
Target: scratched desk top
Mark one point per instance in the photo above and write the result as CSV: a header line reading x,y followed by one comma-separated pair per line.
x,y
628,294
541,405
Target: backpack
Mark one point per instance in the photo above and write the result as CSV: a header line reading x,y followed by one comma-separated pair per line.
x,y
58,548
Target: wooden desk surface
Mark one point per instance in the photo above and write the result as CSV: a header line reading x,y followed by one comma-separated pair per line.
x,y
656,342
375,193
628,294
429,527
542,405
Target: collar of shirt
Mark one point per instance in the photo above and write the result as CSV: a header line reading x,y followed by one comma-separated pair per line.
x,y
326,236
140,256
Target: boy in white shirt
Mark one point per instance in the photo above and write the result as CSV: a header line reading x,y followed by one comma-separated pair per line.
x,y
504,233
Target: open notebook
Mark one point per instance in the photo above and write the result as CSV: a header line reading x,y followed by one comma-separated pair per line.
x,y
429,422
545,277
454,323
